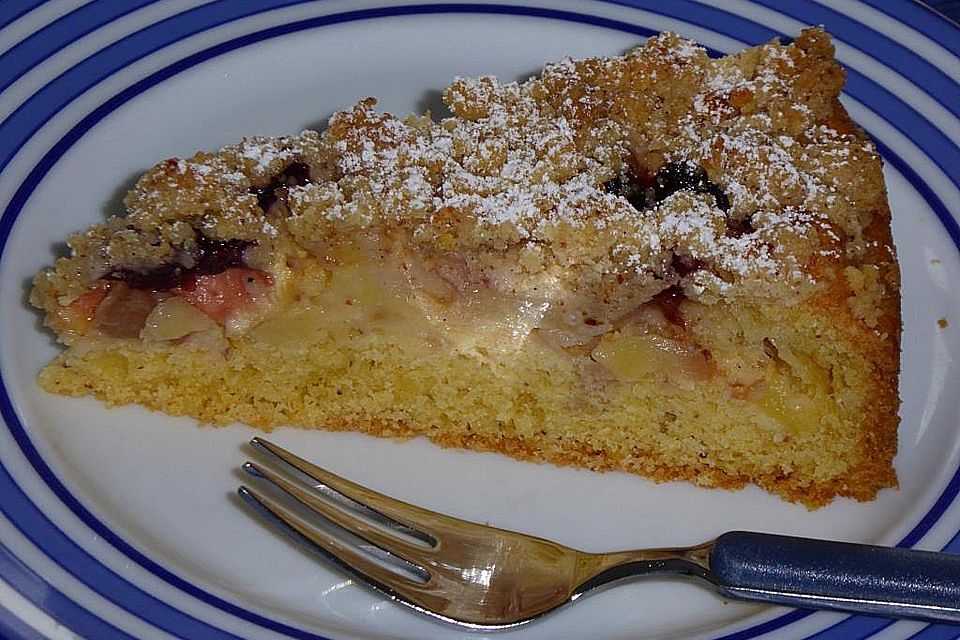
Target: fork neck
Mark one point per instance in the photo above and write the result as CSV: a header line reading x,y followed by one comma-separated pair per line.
x,y
597,569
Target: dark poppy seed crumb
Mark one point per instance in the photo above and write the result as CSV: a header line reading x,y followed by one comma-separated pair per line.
x,y
213,256
669,179
296,174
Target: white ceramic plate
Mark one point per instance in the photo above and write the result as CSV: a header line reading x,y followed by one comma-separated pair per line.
x,y
122,523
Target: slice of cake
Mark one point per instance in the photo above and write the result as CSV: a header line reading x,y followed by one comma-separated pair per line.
x,y
658,263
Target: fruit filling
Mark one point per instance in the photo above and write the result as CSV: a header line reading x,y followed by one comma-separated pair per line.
x,y
210,258
217,285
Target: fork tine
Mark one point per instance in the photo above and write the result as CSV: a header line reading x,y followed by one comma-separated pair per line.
x,y
393,583
404,549
414,517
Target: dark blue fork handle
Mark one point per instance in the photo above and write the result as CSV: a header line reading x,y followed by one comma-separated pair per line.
x,y
816,574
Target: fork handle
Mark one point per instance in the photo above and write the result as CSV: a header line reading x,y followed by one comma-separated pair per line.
x,y
817,574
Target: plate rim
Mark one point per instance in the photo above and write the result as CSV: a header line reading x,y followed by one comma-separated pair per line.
x,y
22,195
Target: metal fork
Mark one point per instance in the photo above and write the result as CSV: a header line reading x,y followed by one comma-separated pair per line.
x,y
484,577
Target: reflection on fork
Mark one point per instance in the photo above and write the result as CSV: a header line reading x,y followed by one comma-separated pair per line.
x,y
481,576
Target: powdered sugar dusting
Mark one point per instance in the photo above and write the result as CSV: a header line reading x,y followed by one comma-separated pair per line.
x,y
509,159
263,154
524,165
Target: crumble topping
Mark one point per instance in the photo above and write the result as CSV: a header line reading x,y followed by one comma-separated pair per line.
x,y
555,182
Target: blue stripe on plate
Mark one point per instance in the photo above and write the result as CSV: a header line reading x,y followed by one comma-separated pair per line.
x,y
26,517
934,81
853,627
53,602
950,9
20,125
770,625
708,17
953,229
40,45
923,19
11,628
11,10
937,632
43,169
935,144
954,545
